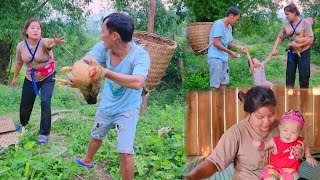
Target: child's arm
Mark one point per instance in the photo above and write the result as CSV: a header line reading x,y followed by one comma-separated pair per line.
x,y
309,158
250,62
262,146
268,59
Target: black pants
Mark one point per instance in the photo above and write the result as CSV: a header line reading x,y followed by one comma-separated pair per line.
x,y
27,100
303,64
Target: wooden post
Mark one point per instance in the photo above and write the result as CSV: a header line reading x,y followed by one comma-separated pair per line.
x,y
152,9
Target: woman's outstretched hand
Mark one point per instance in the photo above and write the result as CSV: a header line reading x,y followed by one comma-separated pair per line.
x,y
56,40
274,52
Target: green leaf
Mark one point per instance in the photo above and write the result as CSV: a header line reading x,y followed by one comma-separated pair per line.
x,y
37,165
21,157
27,170
29,145
4,170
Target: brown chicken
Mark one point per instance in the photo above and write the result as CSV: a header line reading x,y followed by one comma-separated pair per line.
x,y
300,39
88,85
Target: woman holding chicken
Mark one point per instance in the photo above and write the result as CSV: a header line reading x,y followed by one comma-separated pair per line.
x,y
293,28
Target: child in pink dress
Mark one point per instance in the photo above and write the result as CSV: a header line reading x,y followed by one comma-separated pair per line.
x,y
258,73
282,162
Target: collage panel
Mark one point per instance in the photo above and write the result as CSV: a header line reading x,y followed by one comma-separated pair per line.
x,y
256,117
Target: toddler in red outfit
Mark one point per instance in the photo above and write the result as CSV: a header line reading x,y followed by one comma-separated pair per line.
x,y
283,164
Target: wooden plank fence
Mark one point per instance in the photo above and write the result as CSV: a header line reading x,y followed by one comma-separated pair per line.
x,y
210,113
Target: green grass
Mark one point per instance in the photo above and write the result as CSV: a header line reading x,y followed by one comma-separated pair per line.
x,y
155,158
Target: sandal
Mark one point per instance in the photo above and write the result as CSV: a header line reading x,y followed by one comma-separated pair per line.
x,y
42,140
81,164
18,127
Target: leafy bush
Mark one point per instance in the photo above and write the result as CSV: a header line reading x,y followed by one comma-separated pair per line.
x,y
196,72
258,24
313,11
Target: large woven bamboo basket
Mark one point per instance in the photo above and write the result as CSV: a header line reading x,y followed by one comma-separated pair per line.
x,y
161,50
198,36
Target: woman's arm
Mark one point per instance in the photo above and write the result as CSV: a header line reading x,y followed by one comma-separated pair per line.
x,y
275,46
17,69
306,43
53,41
268,58
203,170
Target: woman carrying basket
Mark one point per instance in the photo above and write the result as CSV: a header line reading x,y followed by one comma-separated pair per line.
x,y
218,52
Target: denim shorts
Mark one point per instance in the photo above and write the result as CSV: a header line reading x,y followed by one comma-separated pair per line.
x,y
125,124
219,72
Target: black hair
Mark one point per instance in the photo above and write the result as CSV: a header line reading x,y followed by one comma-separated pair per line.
x,y
256,98
292,8
120,23
232,10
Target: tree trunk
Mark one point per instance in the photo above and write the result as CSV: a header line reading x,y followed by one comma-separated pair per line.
x,y
5,52
152,9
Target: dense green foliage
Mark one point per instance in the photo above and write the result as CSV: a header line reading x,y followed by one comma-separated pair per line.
x,y
164,20
212,10
15,13
313,11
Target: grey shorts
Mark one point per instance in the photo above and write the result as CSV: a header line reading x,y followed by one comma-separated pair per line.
x,y
219,72
125,124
